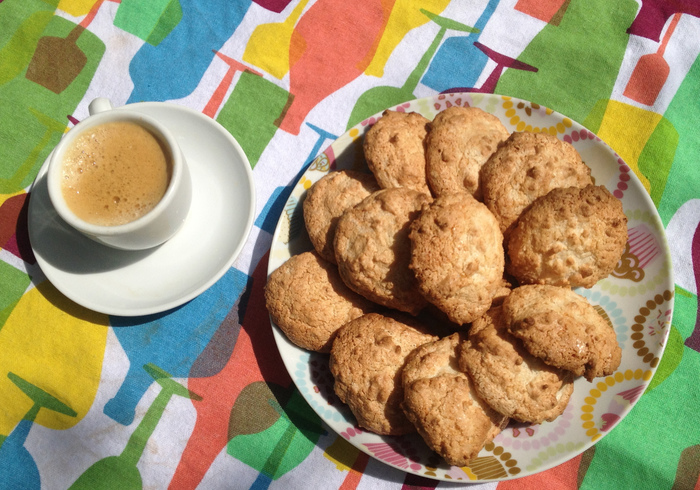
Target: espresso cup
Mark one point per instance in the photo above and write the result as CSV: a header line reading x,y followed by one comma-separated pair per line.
x,y
120,178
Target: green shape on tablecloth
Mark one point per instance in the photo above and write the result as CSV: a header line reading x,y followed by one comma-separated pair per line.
x,y
673,353
656,158
251,111
16,12
684,175
120,472
109,473
277,450
685,307
13,284
578,61
16,52
151,21
35,117
651,438
41,398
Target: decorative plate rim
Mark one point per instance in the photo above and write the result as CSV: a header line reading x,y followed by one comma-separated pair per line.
x,y
615,298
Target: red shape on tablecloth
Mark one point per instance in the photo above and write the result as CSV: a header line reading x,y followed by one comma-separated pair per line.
x,y
255,358
276,6
562,477
14,231
693,341
652,17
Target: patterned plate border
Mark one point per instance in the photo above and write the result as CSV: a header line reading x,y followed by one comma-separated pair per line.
x,y
637,300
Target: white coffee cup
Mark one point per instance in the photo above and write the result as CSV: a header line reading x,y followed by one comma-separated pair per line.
x,y
157,225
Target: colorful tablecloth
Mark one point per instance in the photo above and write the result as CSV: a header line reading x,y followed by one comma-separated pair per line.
x,y
180,400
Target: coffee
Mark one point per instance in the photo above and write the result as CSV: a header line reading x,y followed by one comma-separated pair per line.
x,y
115,173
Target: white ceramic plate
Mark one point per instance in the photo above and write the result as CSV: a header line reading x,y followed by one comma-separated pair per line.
x,y
127,283
638,302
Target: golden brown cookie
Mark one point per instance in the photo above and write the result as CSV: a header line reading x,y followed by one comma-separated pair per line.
x,y
441,402
570,237
366,361
373,250
458,144
563,329
457,256
327,200
309,302
525,167
507,377
395,150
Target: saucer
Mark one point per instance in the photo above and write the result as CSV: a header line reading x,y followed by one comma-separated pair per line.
x,y
128,283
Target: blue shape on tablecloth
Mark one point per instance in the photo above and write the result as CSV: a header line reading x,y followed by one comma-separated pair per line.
x,y
173,341
17,467
267,219
174,68
458,63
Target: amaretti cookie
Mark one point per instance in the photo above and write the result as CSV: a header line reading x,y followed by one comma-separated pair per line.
x,y
457,256
442,403
526,166
309,302
571,237
394,148
460,141
366,361
563,329
510,379
327,200
373,250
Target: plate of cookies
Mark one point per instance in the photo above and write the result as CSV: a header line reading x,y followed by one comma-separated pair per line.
x,y
470,287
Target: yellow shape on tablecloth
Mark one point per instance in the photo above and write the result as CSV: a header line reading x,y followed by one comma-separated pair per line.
x,y
342,454
405,15
56,345
627,129
268,46
76,8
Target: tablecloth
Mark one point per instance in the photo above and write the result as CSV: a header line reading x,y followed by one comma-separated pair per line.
x,y
179,400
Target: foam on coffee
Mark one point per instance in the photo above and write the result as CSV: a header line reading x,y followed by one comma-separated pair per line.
x,y
115,173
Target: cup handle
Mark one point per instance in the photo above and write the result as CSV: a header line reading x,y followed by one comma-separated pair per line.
x,y
100,104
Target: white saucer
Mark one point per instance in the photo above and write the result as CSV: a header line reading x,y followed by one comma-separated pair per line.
x,y
126,283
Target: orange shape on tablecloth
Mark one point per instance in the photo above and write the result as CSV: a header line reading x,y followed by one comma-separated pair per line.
x,y
563,477
651,71
219,392
550,11
219,94
321,61
57,346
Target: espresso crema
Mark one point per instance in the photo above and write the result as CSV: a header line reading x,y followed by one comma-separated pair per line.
x,y
115,173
